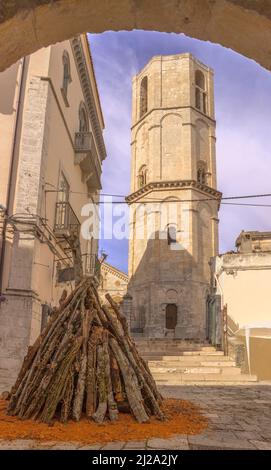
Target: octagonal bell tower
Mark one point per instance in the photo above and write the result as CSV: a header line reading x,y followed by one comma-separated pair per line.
x,y
174,201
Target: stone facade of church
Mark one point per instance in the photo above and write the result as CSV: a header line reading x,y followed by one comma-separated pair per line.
x,y
112,281
174,200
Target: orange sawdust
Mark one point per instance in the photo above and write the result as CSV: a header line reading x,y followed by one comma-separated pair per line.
x,y
182,418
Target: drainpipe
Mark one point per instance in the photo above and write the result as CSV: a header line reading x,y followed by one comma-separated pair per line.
x,y
10,178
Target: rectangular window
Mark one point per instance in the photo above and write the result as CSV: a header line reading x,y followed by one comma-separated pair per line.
x,y
64,189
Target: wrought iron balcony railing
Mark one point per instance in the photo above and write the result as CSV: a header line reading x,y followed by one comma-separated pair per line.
x,y
65,220
83,142
92,266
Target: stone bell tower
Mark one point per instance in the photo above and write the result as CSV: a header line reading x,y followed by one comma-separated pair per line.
x,y
173,201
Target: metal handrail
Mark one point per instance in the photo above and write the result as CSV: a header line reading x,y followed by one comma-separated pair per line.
x,y
65,218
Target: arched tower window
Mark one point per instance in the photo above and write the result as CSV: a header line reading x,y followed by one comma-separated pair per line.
x,y
83,119
200,79
66,76
143,96
201,172
142,176
200,91
171,234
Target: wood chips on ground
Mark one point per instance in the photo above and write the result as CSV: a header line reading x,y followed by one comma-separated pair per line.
x,y
182,418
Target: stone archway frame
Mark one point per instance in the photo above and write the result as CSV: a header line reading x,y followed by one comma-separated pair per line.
x,y
242,25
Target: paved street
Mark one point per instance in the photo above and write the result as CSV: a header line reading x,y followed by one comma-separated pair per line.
x,y
239,418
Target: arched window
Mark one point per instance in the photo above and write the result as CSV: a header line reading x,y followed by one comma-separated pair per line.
x,y
200,79
143,96
142,176
83,119
171,234
200,92
66,76
201,173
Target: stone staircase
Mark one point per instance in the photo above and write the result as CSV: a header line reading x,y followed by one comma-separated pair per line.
x,y
178,362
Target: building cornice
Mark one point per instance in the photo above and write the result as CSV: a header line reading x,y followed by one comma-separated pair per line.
x,y
115,271
80,61
177,184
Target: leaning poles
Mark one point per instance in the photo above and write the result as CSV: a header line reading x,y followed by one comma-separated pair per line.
x,y
85,363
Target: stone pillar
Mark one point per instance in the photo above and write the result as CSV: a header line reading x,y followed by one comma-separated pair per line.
x,y
20,315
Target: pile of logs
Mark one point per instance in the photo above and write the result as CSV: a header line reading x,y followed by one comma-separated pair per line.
x,y
85,362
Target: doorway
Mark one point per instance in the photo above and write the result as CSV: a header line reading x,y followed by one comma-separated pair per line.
x,y
171,316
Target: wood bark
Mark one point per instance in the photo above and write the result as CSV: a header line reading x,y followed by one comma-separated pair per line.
x,y
81,382
84,362
131,384
99,414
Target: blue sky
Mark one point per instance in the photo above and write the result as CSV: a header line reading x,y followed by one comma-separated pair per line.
x,y
243,113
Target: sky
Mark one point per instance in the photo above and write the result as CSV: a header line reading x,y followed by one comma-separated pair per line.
x,y
243,114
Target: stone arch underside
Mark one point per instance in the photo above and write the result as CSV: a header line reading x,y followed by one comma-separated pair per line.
x,y
242,25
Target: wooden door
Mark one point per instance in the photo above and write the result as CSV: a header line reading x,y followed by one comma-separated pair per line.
x,y
171,316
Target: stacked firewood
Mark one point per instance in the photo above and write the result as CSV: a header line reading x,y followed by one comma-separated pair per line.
x,y
85,362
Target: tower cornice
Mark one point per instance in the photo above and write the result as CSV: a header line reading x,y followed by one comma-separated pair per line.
x,y
174,185
172,108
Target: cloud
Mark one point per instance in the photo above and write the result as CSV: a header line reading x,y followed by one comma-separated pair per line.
x,y
243,112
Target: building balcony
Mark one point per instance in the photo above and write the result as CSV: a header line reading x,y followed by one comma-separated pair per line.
x,y
92,266
83,142
66,221
91,269
86,156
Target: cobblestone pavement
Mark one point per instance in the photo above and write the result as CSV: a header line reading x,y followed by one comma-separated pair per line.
x,y
239,418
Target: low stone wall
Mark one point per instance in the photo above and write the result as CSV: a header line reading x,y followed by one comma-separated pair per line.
x,y
237,352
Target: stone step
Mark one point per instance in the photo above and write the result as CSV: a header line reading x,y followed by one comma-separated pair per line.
x,y
178,378
209,383
185,359
195,370
172,340
225,363
165,345
203,353
208,348
176,352
187,363
172,346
